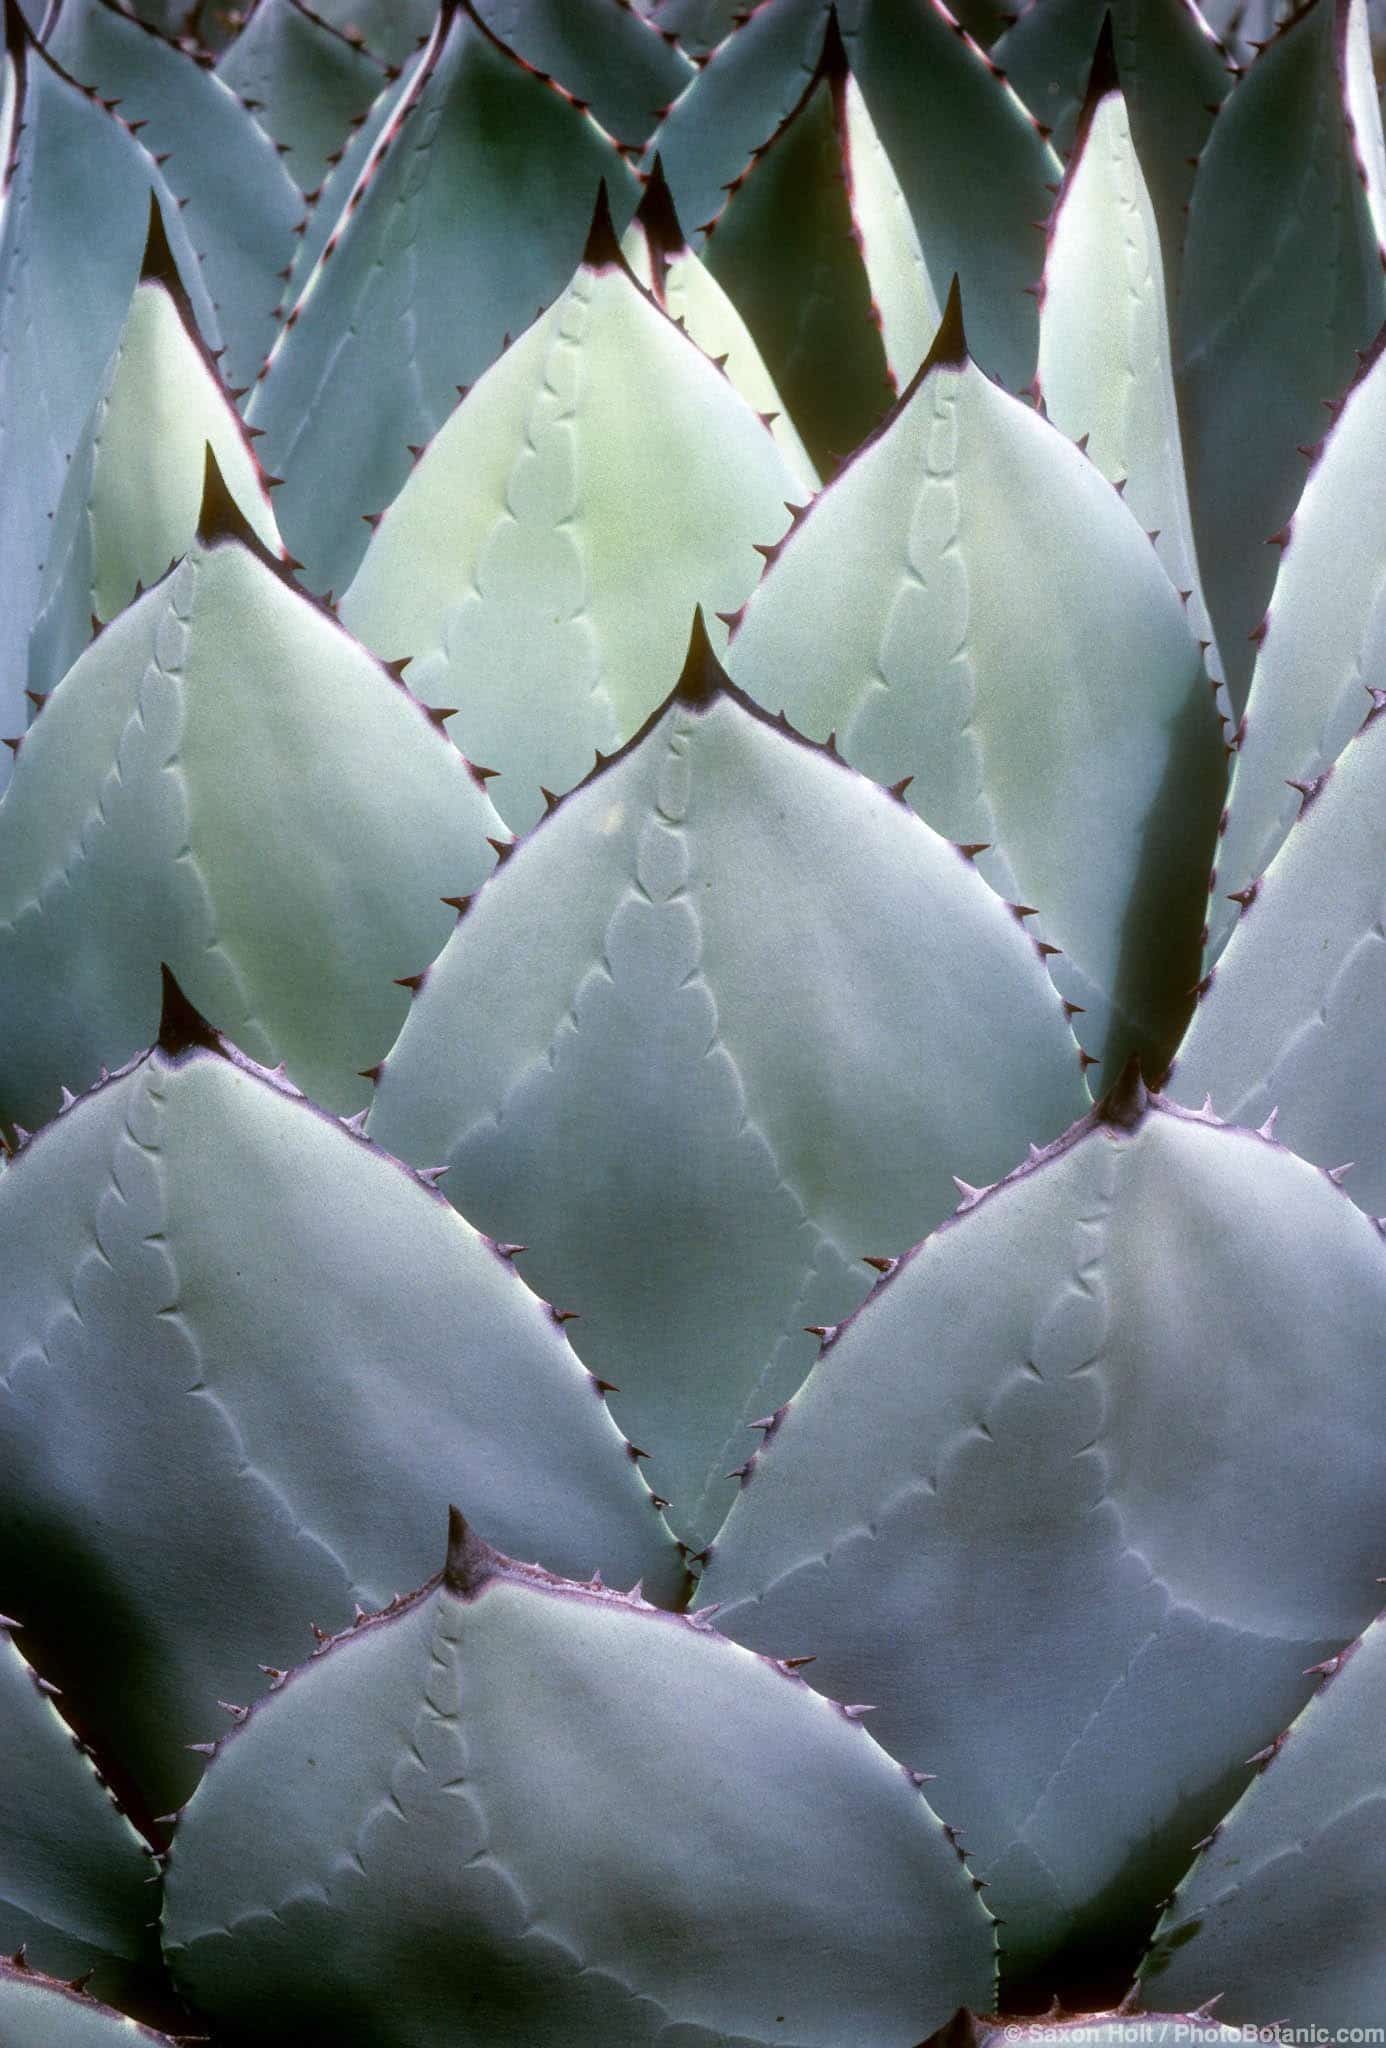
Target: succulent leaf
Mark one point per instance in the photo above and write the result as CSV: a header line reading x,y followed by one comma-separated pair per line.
x,y
1290,1018
207,143
227,782
72,219
39,2012
602,51
495,172
966,155
179,1502
393,29
1105,371
790,253
1174,79
1324,647
1122,1417
1284,1909
657,251
73,1871
648,1106
519,1810
1038,681
541,564
1270,315
307,84
134,487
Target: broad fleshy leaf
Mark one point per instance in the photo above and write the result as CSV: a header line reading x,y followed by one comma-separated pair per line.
x,y
1273,306
179,1503
1174,78
210,151
134,486
602,51
393,29
470,213
73,212
514,1810
1034,675
39,2012
1285,1910
327,206
1105,370
650,1107
74,1874
1323,649
657,250
542,562
816,248
1077,1496
1290,1017
227,782
974,171
306,84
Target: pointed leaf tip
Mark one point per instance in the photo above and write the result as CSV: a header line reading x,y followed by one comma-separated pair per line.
x,y
657,214
1127,1100
182,1027
949,350
603,249
18,34
832,61
470,1560
158,266
1103,78
219,516
702,678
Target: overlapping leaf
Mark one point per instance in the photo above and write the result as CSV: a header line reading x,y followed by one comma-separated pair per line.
x,y
74,1874
657,250
543,561
393,29
1272,307
971,605
968,158
470,214
816,248
1104,365
1323,650
306,85
1291,1018
652,1105
209,148
38,2012
130,504
227,782
246,1356
517,1810
603,51
1285,1908
1174,78
72,219
1075,1499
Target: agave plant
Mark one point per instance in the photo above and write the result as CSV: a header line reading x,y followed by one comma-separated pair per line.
x,y
786,1302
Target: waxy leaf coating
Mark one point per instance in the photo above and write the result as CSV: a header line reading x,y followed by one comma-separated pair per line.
x,y
652,1107
306,86
517,1812
1290,1020
470,214
1075,1499
245,1355
1285,1910
969,604
38,2012
74,1873
227,782
542,562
